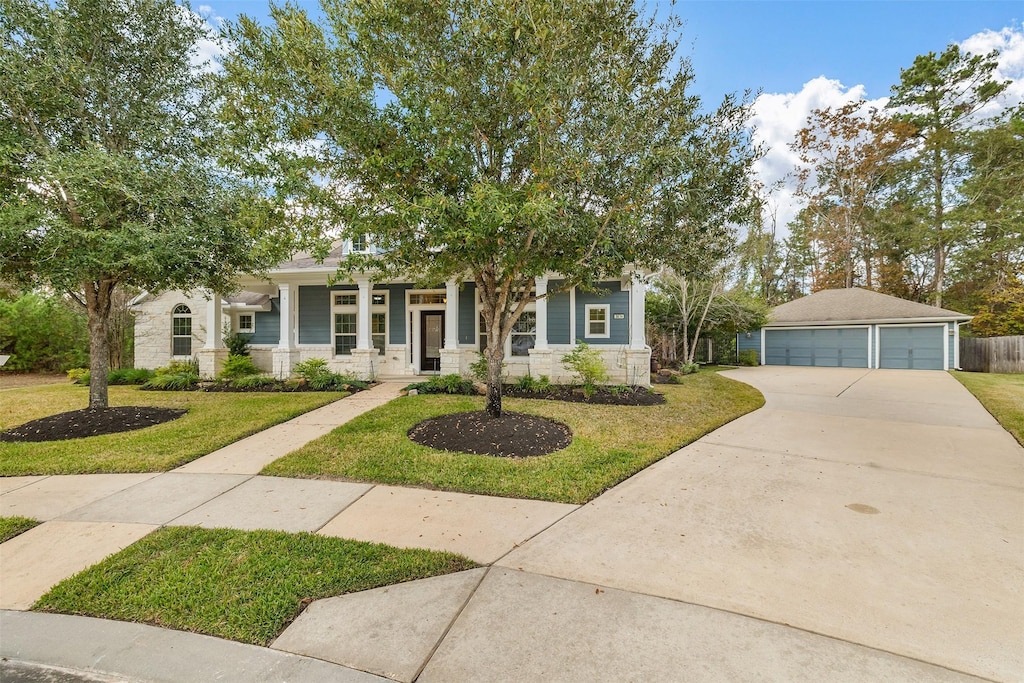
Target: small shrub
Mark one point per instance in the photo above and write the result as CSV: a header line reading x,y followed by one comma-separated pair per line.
x,y
478,368
688,368
526,383
237,343
586,363
313,367
253,381
179,367
323,382
79,375
179,381
238,366
747,357
444,384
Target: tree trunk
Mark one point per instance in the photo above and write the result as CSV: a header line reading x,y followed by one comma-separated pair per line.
x,y
97,299
494,360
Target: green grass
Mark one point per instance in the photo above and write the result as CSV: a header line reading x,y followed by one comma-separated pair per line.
x,y
12,526
214,420
243,585
609,444
1002,395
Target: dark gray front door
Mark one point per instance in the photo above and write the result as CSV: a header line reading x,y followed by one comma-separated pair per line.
x,y
431,340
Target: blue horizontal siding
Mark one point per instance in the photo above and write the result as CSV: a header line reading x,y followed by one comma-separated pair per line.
x,y
609,293
396,313
558,315
268,325
314,314
753,343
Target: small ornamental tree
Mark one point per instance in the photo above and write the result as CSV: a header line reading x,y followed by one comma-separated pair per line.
x,y
107,160
496,141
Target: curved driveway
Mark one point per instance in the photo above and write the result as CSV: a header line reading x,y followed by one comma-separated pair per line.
x,y
883,508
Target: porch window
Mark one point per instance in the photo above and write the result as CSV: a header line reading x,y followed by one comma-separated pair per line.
x,y
524,334
246,323
598,318
378,330
344,333
181,331
483,334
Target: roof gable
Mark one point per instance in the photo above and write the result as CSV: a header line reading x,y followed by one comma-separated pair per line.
x,y
856,305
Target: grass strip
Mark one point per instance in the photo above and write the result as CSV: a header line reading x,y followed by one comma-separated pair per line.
x,y
214,420
12,526
1002,395
610,443
242,585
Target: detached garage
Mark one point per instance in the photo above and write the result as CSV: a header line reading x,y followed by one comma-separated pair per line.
x,y
858,328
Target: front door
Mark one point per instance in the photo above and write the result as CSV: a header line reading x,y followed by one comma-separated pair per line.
x,y
431,340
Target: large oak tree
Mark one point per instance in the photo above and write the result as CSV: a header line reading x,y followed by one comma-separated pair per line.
x,y
494,140
108,173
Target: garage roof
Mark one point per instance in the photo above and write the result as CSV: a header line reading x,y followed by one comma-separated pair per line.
x,y
856,305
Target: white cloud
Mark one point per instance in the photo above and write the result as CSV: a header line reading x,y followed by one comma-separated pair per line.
x,y
1009,42
209,49
776,120
778,116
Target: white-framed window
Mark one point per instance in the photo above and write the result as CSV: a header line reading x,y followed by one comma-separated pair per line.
x,y
181,331
360,244
598,321
246,323
524,334
345,310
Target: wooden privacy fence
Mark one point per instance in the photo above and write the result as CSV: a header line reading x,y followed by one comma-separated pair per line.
x,y
992,354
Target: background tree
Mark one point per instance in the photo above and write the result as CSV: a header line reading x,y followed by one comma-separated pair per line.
x,y
107,165
847,156
942,97
42,333
499,141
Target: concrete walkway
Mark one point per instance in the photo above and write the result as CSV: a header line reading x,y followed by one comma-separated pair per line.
x,y
864,525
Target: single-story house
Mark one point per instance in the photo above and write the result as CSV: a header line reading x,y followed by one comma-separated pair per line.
x,y
389,328
857,328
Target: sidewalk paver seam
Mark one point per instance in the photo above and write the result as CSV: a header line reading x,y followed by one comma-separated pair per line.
x,y
603,587
171,522
880,468
455,618
361,496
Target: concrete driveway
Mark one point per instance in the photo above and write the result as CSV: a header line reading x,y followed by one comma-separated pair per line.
x,y
883,508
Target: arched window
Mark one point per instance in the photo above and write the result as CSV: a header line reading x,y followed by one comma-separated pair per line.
x,y
181,331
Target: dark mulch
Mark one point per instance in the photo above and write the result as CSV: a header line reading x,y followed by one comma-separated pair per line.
x,y
633,396
512,435
78,424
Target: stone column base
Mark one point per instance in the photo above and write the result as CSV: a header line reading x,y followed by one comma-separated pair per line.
x,y
541,363
283,361
366,363
211,361
451,362
638,367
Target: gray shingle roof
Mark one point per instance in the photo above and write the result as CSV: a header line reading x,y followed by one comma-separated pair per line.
x,y
831,306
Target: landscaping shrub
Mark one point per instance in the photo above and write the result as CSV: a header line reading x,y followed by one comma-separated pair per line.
x,y
237,343
588,365
528,383
444,384
238,366
688,368
747,357
308,369
179,381
178,367
253,381
123,376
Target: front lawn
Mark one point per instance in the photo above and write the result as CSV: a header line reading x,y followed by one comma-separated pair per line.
x,y
609,444
13,526
214,420
1002,395
243,585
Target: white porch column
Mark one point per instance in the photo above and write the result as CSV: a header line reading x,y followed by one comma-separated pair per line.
x,y
214,319
637,297
541,285
363,317
451,316
287,335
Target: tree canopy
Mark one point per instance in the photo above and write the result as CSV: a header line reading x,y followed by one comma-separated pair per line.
x,y
496,141
108,167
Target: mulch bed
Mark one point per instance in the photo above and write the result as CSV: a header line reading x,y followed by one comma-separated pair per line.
x,y
78,424
513,435
636,396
